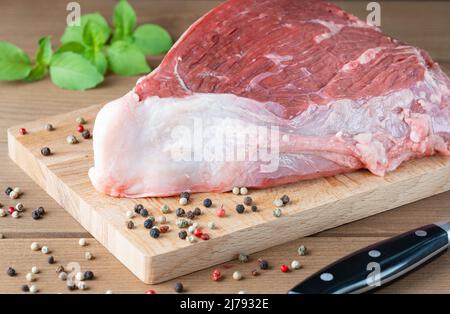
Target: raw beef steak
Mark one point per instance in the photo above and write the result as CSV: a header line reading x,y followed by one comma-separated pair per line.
x,y
260,93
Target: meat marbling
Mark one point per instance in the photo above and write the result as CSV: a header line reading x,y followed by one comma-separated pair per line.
x,y
260,93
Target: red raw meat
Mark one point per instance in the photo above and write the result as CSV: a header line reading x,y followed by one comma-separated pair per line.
x,y
337,93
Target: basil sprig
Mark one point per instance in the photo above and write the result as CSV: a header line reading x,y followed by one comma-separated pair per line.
x,y
88,51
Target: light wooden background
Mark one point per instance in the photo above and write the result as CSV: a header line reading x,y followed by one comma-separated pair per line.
x,y
421,23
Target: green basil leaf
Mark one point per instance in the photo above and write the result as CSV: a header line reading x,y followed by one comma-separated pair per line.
x,y
97,58
72,46
127,59
93,35
69,70
14,63
152,39
75,33
124,20
44,52
37,73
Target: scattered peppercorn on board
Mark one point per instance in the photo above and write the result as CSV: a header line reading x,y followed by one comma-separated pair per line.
x,y
315,205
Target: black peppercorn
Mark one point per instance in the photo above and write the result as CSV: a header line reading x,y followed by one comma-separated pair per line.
x,y
8,191
148,223
45,151
180,212
197,211
137,208
41,211
25,288
130,224
248,200
86,134
263,264
35,215
144,212
182,234
88,275
51,260
154,233
207,202
254,208
240,208
179,287
285,199
11,272
185,195
190,215
71,286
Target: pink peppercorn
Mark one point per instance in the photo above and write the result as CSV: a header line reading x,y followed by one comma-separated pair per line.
x,y
205,237
22,131
150,292
284,268
80,128
198,232
220,212
216,275
11,210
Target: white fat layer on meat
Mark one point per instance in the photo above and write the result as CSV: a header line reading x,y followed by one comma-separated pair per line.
x,y
334,28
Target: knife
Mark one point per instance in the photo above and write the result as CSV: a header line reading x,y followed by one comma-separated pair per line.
x,y
378,264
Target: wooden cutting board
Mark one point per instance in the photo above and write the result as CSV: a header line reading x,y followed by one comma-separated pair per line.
x,y
315,205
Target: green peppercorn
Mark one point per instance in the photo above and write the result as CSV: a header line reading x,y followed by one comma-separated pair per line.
x,y
277,212
240,208
154,233
302,250
179,287
243,258
182,223
165,209
80,120
45,151
86,134
182,234
197,211
207,202
180,212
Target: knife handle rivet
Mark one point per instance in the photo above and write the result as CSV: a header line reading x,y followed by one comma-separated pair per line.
x,y
374,253
421,233
326,277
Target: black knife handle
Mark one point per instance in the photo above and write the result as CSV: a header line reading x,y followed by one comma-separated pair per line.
x,y
375,265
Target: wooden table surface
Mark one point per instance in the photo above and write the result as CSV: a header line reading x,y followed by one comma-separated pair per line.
x,y
424,24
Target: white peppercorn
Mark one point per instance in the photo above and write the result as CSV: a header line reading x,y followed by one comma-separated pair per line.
x,y
191,229
45,250
236,190
79,276
35,246
13,195
295,264
71,139
243,191
237,275
30,277
183,201
62,276
82,285
88,256
162,219
278,202
130,214
17,190
191,239
211,225
2,212
34,270
82,242
15,214
19,207
34,289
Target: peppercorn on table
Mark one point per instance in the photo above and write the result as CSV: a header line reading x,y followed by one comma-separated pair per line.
x,y
21,102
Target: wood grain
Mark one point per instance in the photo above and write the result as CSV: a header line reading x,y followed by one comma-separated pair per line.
x,y
421,23
315,205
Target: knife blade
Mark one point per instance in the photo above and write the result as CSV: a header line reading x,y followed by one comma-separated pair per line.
x,y
378,264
